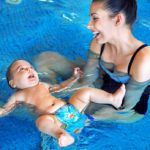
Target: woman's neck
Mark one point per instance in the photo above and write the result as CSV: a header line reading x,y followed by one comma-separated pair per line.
x,y
123,42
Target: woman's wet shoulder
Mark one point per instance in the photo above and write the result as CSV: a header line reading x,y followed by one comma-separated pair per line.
x,y
95,47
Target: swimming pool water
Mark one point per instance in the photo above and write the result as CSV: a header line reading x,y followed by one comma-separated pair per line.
x,y
59,25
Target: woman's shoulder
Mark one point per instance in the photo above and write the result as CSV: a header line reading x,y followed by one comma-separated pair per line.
x,y
95,47
140,69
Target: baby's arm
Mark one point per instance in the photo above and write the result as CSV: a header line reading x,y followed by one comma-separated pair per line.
x,y
68,83
12,102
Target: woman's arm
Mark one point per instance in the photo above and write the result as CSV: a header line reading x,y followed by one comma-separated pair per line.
x,y
91,69
140,72
134,91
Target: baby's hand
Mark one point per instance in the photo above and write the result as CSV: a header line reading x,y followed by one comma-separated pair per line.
x,y
2,111
78,73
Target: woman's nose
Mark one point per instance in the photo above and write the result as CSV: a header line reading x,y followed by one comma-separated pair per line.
x,y
89,25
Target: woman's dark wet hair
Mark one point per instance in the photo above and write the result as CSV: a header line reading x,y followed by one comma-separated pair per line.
x,y
128,7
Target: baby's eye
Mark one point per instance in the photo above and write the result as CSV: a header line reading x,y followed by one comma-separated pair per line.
x,y
21,69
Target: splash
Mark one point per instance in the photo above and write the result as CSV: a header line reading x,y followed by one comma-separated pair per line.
x,y
13,1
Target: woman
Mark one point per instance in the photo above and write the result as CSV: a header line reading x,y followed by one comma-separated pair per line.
x,y
121,57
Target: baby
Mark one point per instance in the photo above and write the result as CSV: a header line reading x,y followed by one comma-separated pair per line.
x,y
58,116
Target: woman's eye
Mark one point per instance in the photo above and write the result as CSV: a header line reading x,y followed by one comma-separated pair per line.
x,y
95,18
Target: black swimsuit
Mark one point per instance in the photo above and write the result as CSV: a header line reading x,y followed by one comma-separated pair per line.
x,y
113,81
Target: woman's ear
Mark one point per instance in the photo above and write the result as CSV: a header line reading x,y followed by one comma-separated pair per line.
x,y
119,19
12,84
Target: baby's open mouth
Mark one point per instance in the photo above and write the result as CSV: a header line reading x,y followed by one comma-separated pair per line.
x,y
31,76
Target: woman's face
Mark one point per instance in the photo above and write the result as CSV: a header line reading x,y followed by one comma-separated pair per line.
x,y
101,24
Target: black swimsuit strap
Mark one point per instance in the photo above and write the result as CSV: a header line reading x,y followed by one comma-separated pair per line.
x,y
102,49
132,58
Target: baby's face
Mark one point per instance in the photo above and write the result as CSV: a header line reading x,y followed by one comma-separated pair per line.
x,y
23,75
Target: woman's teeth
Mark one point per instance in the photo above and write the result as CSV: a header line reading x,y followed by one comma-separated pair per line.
x,y
96,34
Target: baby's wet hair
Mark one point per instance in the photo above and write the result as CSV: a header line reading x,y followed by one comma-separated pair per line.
x,y
8,73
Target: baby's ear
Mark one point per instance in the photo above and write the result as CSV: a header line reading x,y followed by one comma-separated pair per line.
x,y
12,84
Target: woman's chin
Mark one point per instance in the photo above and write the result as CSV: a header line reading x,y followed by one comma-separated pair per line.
x,y
100,41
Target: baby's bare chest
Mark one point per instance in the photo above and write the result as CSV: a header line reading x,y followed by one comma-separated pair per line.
x,y
40,97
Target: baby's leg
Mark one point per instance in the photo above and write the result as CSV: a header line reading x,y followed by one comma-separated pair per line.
x,y
50,125
82,97
118,96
